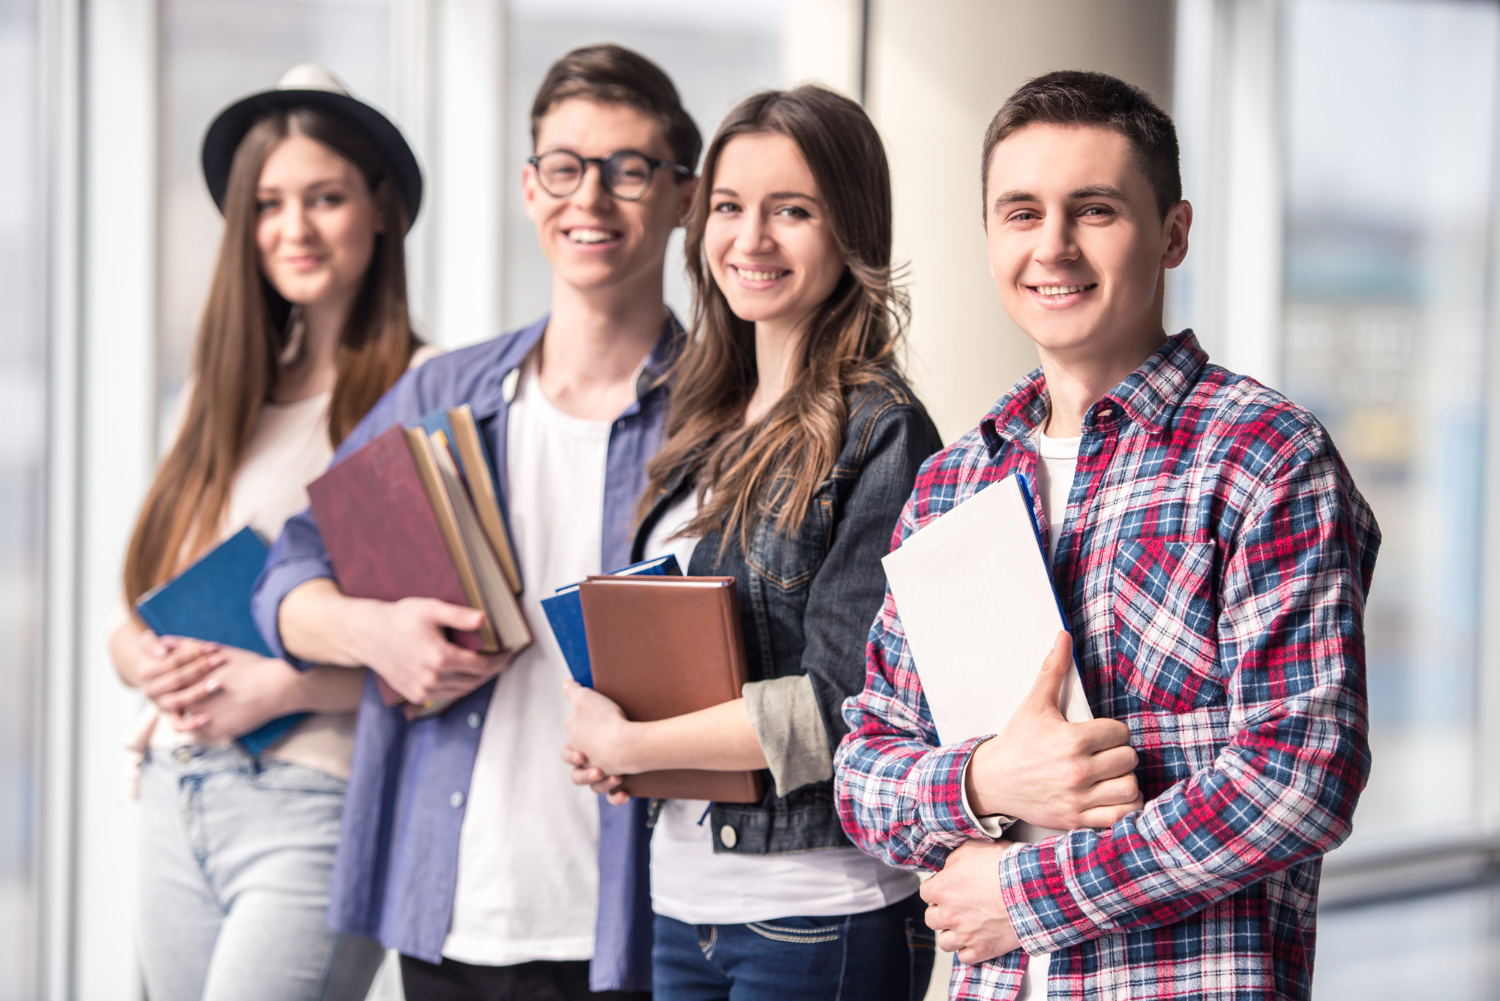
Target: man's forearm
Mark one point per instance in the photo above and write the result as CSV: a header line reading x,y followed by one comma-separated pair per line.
x,y
1233,824
329,689
319,623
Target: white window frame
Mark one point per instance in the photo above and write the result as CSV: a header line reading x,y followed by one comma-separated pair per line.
x,y
101,76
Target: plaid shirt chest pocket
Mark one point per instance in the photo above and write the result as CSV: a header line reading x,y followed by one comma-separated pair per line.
x,y
1165,628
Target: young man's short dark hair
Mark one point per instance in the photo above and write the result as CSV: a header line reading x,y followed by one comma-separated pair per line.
x,y
617,75
1075,97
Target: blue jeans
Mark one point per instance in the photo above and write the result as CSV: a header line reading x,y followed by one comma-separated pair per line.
x,y
236,860
883,955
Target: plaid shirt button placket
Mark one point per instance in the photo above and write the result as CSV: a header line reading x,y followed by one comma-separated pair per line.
x,y
1214,568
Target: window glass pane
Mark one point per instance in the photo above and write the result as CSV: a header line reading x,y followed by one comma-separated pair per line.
x,y
23,402
716,54
1390,131
215,51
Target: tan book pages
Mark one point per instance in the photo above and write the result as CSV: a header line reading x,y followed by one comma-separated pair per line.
x,y
499,600
426,462
482,488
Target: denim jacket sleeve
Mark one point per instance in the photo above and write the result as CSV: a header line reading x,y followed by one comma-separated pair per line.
x,y
889,437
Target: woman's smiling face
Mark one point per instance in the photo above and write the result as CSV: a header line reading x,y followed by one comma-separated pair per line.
x,y
768,238
316,222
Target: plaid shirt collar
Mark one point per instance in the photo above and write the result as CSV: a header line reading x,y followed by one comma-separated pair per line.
x,y
1148,397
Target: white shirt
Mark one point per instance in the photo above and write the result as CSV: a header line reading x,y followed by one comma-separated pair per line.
x,y
1054,481
528,871
1057,462
691,883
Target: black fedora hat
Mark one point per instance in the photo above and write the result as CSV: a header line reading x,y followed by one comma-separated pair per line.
x,y
310,86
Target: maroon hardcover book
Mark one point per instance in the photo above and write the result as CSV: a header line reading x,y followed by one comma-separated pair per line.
x,y
381,534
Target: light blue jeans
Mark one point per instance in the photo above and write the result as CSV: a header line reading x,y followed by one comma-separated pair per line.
x,y
236,860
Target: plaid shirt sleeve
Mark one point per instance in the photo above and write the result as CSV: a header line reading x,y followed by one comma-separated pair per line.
x,y
1290,646
900,796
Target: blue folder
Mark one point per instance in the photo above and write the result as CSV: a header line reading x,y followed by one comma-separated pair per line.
x,y
210,601
564,612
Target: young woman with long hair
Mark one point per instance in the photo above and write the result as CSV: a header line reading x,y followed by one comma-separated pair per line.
x,y
793,443
305,327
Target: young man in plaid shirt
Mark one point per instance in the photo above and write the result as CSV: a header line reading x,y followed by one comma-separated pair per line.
x,y
1213,557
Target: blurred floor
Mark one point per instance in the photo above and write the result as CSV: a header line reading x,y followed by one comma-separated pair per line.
x,y
1440,946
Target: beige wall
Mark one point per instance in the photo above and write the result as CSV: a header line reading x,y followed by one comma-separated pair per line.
x,y
938,70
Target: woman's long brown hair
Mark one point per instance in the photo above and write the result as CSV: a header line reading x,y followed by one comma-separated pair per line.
x,y
773,467
240,338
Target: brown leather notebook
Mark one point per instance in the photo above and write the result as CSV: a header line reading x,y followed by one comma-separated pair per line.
x,y
662,647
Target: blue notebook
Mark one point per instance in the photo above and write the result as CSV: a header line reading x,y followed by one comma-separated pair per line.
x,y
210,600
565,614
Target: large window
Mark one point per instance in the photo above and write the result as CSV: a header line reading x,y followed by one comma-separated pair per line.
x,y
23,381
1390,131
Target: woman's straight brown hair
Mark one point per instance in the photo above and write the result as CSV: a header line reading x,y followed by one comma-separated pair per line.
x,y
772,468
240,338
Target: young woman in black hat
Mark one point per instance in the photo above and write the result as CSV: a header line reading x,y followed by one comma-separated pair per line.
x,y
305,327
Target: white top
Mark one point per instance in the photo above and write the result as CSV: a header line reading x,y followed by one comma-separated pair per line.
x,y
1057,462
528,871
288,449
691,883
1054,481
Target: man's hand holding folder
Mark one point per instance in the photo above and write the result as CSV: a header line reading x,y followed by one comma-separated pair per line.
x,y
1050,772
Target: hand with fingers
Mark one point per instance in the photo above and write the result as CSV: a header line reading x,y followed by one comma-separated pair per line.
x,y
170,666
964,905
245,691
598,733
1052,773
406,643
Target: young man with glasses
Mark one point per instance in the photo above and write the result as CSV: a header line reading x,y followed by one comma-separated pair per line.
x,y
1212,556
464,845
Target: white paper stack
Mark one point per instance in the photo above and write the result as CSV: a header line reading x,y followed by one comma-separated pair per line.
x,y
980,615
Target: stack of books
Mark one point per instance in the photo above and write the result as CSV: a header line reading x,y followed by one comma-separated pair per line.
x,y
413,513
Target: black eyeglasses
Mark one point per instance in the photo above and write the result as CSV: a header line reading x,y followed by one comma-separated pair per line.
x,y
625,174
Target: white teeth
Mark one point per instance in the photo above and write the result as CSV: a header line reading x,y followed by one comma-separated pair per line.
x,y
759,276
590,235
1060,289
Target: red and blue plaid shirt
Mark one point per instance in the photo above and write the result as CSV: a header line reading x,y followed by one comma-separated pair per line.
x,y
1213,564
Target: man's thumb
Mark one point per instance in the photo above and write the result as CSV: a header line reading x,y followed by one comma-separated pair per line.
x,y
1045,695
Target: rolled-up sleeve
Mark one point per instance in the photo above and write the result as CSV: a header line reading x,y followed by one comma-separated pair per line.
x,y
784,712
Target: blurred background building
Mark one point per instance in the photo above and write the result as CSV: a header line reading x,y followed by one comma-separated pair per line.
x,y
1341,156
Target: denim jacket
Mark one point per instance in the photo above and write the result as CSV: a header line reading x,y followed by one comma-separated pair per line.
x,y
807,599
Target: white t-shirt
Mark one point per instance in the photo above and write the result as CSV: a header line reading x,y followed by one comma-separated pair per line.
x,y
691,883
1054,479
528,870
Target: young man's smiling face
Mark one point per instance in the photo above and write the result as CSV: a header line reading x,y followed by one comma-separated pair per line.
x,y
1077,244
592,238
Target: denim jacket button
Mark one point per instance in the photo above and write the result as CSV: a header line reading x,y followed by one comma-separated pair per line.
x,y
474,721
456,800
728,837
